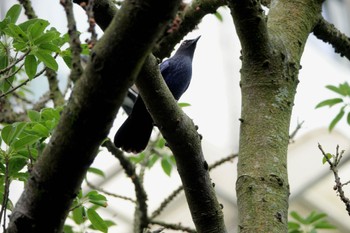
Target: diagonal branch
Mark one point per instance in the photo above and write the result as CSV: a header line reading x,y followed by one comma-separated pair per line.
x,y
85,122
184,141
188,19
328,33
141,220
250,24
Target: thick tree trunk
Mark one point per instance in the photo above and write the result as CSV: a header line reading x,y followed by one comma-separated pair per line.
x,y
86,120
271,52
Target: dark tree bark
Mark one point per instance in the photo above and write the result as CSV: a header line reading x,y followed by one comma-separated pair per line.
x,y
115,62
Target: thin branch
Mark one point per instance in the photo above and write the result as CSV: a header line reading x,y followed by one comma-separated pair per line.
x,y
186,21
6,193
92,186
177,227
177,191
295,131
166,201
28,9
13,64
22,84
92,23
74,41
334,168
129,168
222,161
250,24
55,93
328,33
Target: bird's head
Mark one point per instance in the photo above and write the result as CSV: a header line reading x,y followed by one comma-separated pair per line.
x,y
187,47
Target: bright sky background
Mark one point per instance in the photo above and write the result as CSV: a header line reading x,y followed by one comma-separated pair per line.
x,y
214,93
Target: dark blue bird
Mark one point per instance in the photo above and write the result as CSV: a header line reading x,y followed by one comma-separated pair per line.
x,y
135,132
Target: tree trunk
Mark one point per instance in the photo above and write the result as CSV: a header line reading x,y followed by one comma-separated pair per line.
x,y
271,52
115,62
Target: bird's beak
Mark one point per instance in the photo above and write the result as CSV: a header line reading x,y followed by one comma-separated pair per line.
x,y
197,38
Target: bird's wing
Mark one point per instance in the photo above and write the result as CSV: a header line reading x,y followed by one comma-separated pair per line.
x,y
164,67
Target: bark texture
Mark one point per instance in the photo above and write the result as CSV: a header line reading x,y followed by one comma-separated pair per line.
x,y
271,52
86,120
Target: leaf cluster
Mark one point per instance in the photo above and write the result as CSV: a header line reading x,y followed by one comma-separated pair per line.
x,y
81,212
344,91
310,224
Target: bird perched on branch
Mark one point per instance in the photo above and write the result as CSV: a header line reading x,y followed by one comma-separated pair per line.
x,y
135,132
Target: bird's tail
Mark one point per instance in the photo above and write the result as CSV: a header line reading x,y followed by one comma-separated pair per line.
x,y
134,133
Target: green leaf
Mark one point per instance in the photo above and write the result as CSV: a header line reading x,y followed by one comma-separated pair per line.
x,y
313,217
25,141
20,176
50,114
329,102
3,61
297,217
345,88
218,16
96,220
335,89
49,47
79,215
33,115
182,105
10,132
96,171
161,143
293,226
68,61
20,46
30,65
47,59
16,32
9,205
68,229
16,163
26,24
37,28
324,225
329,156
336,119
348,118
45,38
153,159
40,130
138,158
97,199
166,165
13,13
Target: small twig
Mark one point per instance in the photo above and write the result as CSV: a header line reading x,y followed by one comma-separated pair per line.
x,y
296,130
177,191
22,84
6,193
141,196
328,33
55,93
92,23
334,168
13,64
12,74
74,40
222,161
28,9
177,227
166,201
92,186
